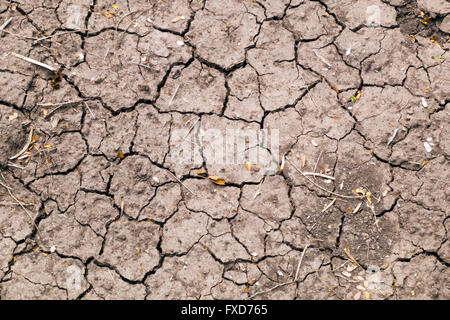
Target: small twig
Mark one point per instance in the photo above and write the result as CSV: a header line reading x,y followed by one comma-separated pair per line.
x,y
392,137
315,174
144,65
181,183
350,257
4,25
51,36
258,191
322,58
271,289
284,283
322,188
126,15
328,206
14,204
43,65
106,54
317,162
61,104
27,144
89,109
174,94
20,204
10,164
300,263
24,156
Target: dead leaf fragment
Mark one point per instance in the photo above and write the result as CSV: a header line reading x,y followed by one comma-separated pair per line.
x,y
202,173
350,257
107,14
178,18
217,180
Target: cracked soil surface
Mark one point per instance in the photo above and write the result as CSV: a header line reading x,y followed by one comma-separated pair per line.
x,y
94,207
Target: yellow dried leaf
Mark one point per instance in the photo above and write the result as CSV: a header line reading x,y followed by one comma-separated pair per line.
x,y
413,38
369,197
115,7
217,180
35,138
45,112
304,161
202,173
47,146
367,295
248,165
120,155
350,257
425,163
108,14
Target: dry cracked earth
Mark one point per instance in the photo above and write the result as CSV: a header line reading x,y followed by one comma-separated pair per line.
x,y
93,207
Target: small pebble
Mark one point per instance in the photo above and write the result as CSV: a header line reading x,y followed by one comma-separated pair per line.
x,y
427,146
52,249
424,102
180,43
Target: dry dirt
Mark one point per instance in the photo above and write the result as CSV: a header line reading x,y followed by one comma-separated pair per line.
x,y
96,209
